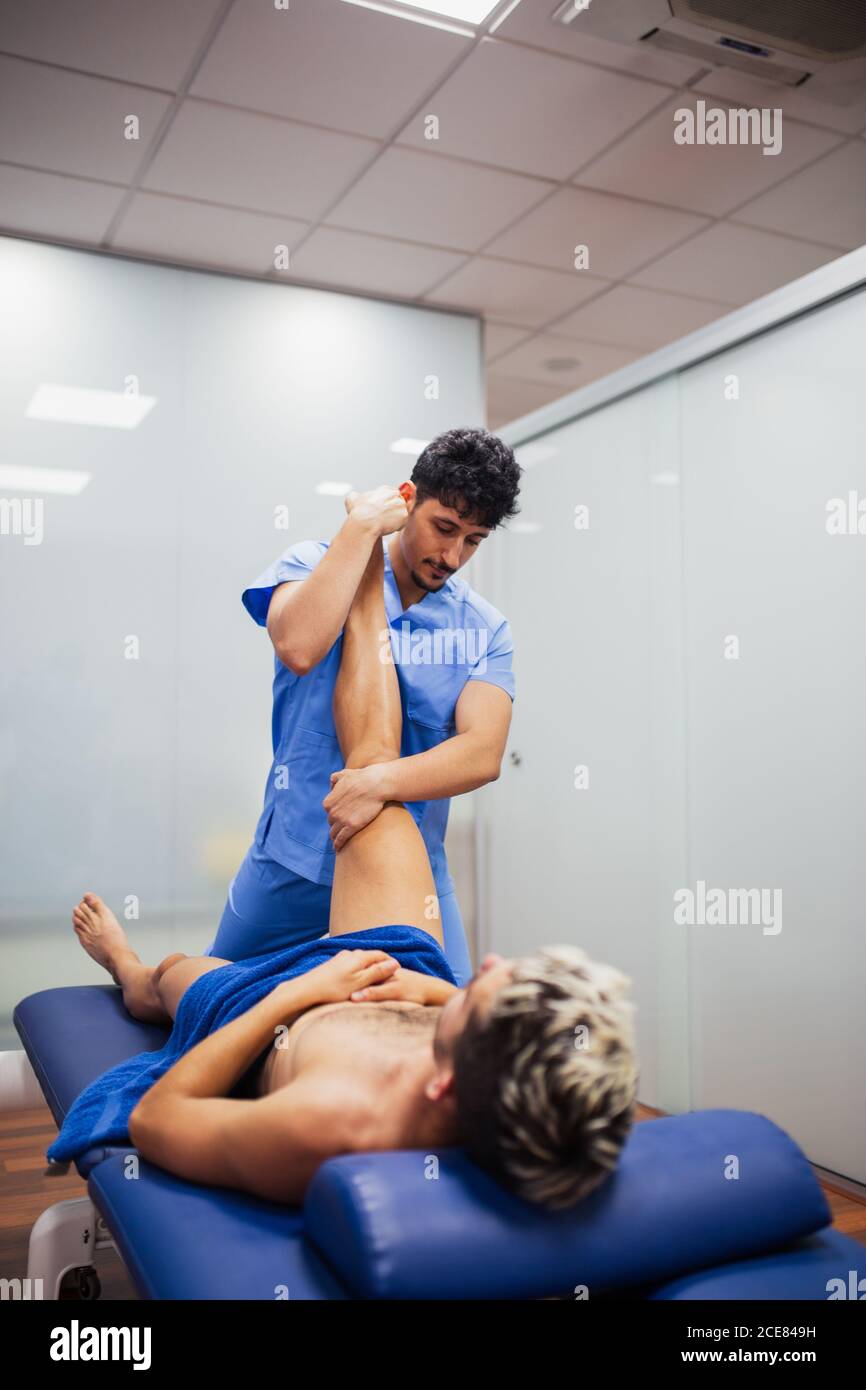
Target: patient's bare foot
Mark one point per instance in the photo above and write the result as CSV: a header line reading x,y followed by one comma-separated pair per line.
x,y
101,935
104,939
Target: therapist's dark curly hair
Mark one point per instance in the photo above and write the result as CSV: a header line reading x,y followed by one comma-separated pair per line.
x,y
472,472
545,1082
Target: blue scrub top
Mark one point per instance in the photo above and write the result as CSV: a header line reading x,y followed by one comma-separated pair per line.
x,y
439,643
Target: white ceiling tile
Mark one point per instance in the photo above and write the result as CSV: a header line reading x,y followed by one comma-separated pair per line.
x,y
841,108
153,43
499,337
175,229
359,261
338,65
508,398
323,61
567,113
620,233
517,294
443,202
54,206
531,22
826,202
256,162
71,124
591,360
631,317
733,264
712,179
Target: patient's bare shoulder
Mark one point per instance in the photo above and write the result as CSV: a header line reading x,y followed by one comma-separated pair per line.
x,y
285,1136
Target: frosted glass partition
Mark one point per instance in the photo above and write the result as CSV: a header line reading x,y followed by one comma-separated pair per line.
x,y
142,778
776,616
585,833
698,650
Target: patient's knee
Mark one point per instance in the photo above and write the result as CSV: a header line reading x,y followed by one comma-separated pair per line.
x,y
167,964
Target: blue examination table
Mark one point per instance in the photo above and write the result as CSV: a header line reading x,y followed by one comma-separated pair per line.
x,y
668,1224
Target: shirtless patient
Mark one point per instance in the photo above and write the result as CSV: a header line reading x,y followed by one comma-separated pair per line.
x,y
531,1067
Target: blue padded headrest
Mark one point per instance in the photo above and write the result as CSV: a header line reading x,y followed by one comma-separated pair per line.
x,y
391,1229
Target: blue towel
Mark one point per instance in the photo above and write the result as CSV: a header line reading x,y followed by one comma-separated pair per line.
x,y
100,1115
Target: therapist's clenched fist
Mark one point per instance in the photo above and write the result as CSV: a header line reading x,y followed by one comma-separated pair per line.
x,y
355,798
384,510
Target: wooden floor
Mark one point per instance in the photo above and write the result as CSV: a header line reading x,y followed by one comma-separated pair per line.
x,y
25,1192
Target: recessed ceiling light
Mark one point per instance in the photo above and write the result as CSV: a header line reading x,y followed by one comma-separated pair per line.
x,y
329,489
567,13
77,405
469,11
561,364
21,478
501,18
409,446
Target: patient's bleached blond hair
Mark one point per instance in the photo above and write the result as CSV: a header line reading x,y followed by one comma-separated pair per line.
x,y
545,1082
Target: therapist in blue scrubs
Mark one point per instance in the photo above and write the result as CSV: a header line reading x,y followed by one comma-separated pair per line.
x,y
452,651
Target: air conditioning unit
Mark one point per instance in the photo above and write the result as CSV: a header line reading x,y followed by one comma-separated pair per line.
x,y
791,42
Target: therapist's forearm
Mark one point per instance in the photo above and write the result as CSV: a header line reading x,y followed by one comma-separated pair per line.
x,y
214,1065
460,764
308,618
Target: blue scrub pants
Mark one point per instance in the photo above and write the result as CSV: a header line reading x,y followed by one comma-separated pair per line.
x,y
270,907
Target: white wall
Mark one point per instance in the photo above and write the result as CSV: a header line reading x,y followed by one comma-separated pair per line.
x,y
707,519
145,777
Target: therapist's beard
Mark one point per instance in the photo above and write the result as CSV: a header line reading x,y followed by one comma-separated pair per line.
x,y
425,583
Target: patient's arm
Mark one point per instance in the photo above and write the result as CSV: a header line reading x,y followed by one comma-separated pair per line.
x,y
270,1147
188,1123
214,1066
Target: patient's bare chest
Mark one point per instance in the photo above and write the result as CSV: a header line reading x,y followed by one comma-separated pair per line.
x,y
347,1035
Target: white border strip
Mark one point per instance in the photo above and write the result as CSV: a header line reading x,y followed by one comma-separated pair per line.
x,y
818,287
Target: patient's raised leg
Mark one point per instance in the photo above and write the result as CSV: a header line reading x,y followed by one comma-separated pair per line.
x,y
150,992
382,874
